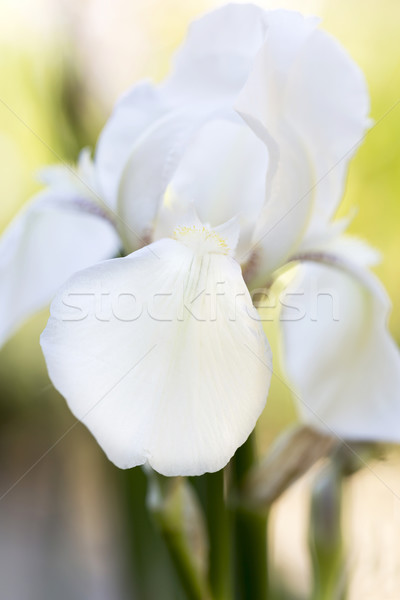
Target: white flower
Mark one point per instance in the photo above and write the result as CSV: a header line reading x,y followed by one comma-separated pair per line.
x,y
234,165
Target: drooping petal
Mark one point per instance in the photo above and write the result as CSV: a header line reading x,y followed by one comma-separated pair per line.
x,y
161,355
43,246
72,182
330,245
338,354
308,102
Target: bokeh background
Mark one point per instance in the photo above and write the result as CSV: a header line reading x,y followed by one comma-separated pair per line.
x,y
71,525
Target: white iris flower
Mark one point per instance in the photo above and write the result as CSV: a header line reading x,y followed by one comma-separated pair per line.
x,y
212,181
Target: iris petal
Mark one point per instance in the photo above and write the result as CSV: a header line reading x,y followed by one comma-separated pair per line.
x,y
338,354
162,355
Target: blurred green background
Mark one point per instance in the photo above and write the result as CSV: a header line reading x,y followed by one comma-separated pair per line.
x,y
62,527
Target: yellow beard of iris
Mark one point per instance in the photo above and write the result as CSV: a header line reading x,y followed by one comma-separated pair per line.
x,y
201,238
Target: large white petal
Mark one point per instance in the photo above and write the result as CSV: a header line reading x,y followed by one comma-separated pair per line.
x,y
43,246
163,356
338,354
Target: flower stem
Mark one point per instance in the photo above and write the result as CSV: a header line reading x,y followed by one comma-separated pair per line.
x,y
249,534
325,535
217,517
184,567
167,502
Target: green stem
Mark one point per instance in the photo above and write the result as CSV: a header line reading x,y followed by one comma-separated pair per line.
x,y
138,531
146,552
218,535
166,502
183,563
249,533
325,535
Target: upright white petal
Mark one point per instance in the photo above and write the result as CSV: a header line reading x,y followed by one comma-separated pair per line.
x,y
132,115
223,173
328,105
215,59
286,214
150,128
161,354
150,168
338,354
53,237
264,96
308,102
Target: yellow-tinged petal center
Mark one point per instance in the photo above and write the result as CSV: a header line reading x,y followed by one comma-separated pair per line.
x,y
201,239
